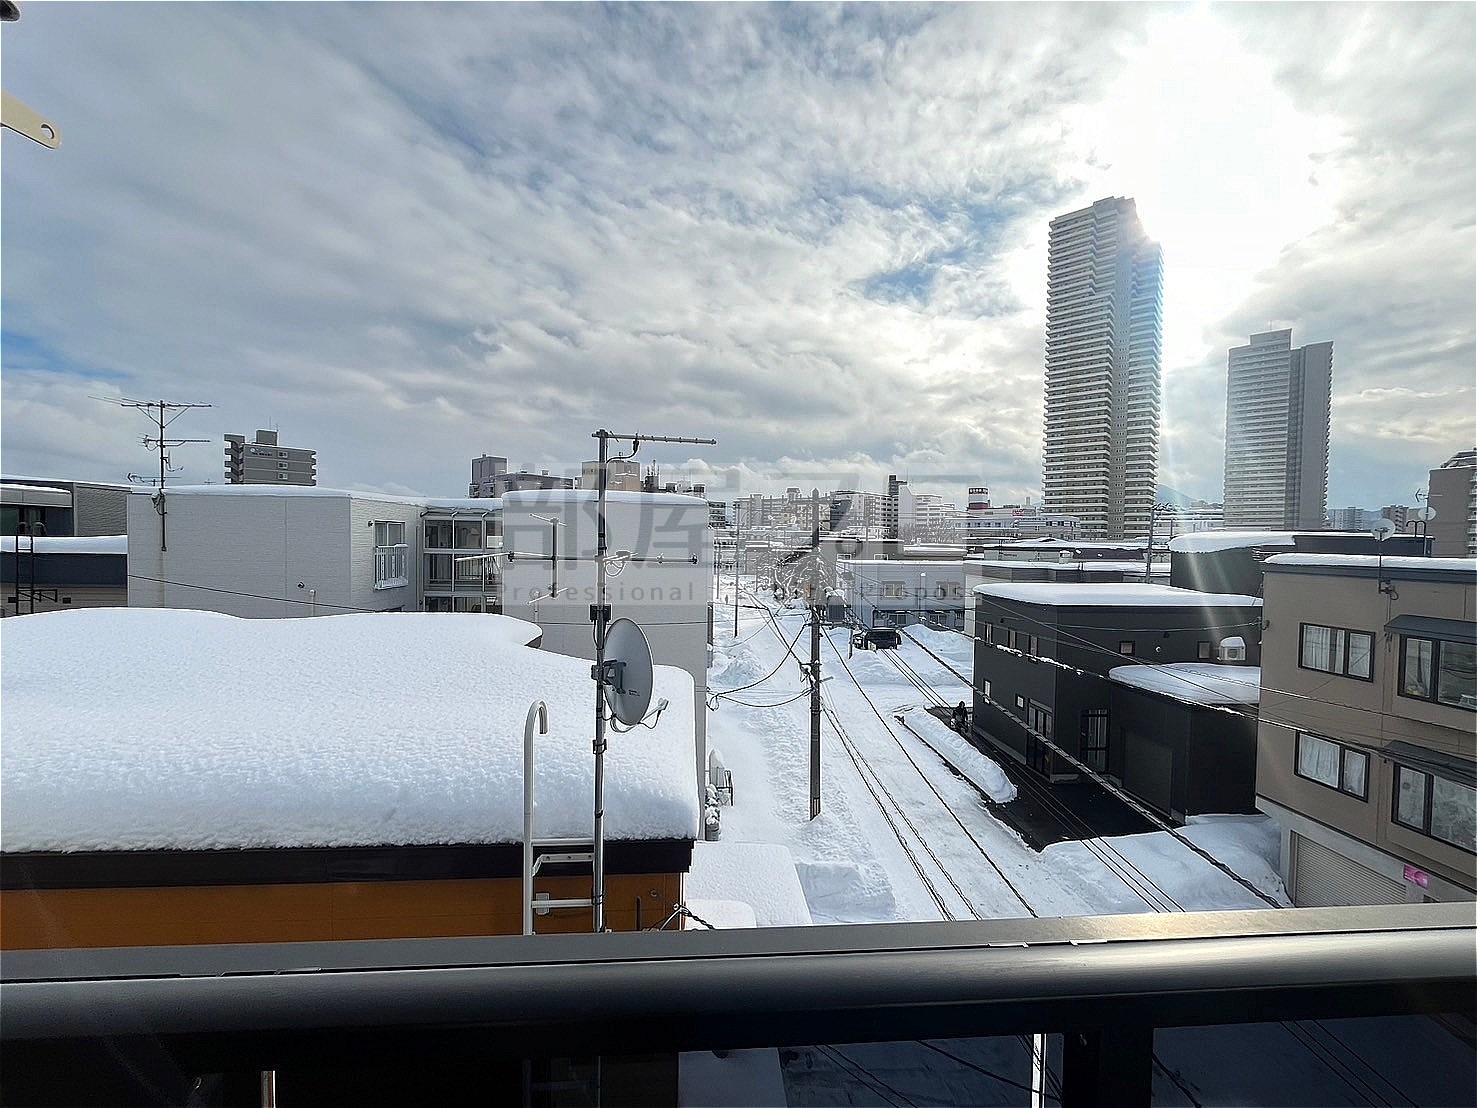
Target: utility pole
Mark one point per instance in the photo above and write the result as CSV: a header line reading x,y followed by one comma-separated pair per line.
x,y
600,617
815,654
735,570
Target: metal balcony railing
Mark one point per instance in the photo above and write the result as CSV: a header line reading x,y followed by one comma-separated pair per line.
x,y
1104,983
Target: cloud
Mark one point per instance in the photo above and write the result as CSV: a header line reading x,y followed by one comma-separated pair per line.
x,y
408,235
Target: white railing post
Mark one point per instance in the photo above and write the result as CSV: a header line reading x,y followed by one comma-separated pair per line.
x,y
538,711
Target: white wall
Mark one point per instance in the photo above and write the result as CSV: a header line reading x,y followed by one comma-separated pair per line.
x,y
668,599
245,552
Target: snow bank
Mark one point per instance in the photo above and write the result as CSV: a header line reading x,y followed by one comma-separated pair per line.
x,y
139,729
1099,594
983,773
68,544
760,875
1195,682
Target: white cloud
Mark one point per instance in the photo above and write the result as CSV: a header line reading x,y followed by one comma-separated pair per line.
x,y
409,235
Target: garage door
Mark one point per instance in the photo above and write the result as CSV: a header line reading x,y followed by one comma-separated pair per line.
x,y
1323,878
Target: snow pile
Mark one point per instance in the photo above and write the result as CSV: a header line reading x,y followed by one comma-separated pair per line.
x,y
140,729
1195,682
983,773
760,875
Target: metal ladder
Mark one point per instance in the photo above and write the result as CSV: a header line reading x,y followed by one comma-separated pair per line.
x,y
547,852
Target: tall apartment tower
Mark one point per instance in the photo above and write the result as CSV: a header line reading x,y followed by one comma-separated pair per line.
x,y
1100,448
1277,409
264,462
1453,496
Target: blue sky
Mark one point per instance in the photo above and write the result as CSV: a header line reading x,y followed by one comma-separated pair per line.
x,y
407,235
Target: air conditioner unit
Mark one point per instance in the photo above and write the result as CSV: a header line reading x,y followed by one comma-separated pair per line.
x,y
1232,649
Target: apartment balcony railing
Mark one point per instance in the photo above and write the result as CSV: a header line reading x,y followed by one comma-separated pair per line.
x,y
449,1006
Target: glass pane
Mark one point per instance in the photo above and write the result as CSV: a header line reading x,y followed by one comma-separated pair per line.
x,y
1456,678
1316,642
438,535
1356,768
1318,759
1417,680
1454,813
1361,653
468,536
1410,800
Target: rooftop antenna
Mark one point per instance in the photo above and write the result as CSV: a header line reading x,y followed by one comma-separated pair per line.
x,y
157,412
600,617
1382,531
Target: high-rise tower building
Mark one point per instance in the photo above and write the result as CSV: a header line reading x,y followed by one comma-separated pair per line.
x,y
1277,409
1100,449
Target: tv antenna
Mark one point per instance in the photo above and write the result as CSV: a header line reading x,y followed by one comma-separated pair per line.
x,y
1382,531
600,617
158,413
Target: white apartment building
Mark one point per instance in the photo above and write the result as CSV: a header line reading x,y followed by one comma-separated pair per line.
x,y
1100,450
1277,412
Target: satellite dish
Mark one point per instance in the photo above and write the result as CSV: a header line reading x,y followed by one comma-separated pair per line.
x,y
1382,530
628,687
1425,514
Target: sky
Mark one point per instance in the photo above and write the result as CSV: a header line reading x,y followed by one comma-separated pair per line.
x,y
406,235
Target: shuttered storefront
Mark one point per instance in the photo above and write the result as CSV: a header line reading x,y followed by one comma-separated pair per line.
x,y
1323,878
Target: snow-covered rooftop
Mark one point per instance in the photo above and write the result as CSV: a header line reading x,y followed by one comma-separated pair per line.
x,y
1195,682
484,504
139,729
69,544
1202,542
1096,594
535,497
1373,561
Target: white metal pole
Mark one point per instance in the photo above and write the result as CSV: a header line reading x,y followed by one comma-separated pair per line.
x,y
537,711
597,894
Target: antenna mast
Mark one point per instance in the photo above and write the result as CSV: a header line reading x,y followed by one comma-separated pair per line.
x,y
158,413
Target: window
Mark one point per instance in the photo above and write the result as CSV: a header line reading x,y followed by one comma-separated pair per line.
x,y
1202,651
1126,648
1033,646
1439,670
1333,764
986,688
989,634
1020,702
1095,738
892,590
1337,650
438,534
389,555
1435,806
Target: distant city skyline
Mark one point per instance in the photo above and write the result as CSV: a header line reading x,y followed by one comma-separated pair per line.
x,y
817,234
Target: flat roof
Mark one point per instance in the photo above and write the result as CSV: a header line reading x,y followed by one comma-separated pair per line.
x,y
1195,682
1107,594
143,729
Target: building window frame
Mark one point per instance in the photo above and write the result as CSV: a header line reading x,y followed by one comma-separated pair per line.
x,y
1345,756
1127,648
1432,691
1425,825
1338,652
1202,650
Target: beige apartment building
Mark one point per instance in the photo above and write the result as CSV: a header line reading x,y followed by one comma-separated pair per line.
x,y
1365,743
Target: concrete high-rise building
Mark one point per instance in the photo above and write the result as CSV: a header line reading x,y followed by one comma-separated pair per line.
x,y
1452,496
264,462
1100,449
1277,409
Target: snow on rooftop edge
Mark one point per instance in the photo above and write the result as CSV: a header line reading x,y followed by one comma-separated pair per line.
x,y
1372,561
1201,542
482,504
69,544
141,729
1195,682
535,497
1108,594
